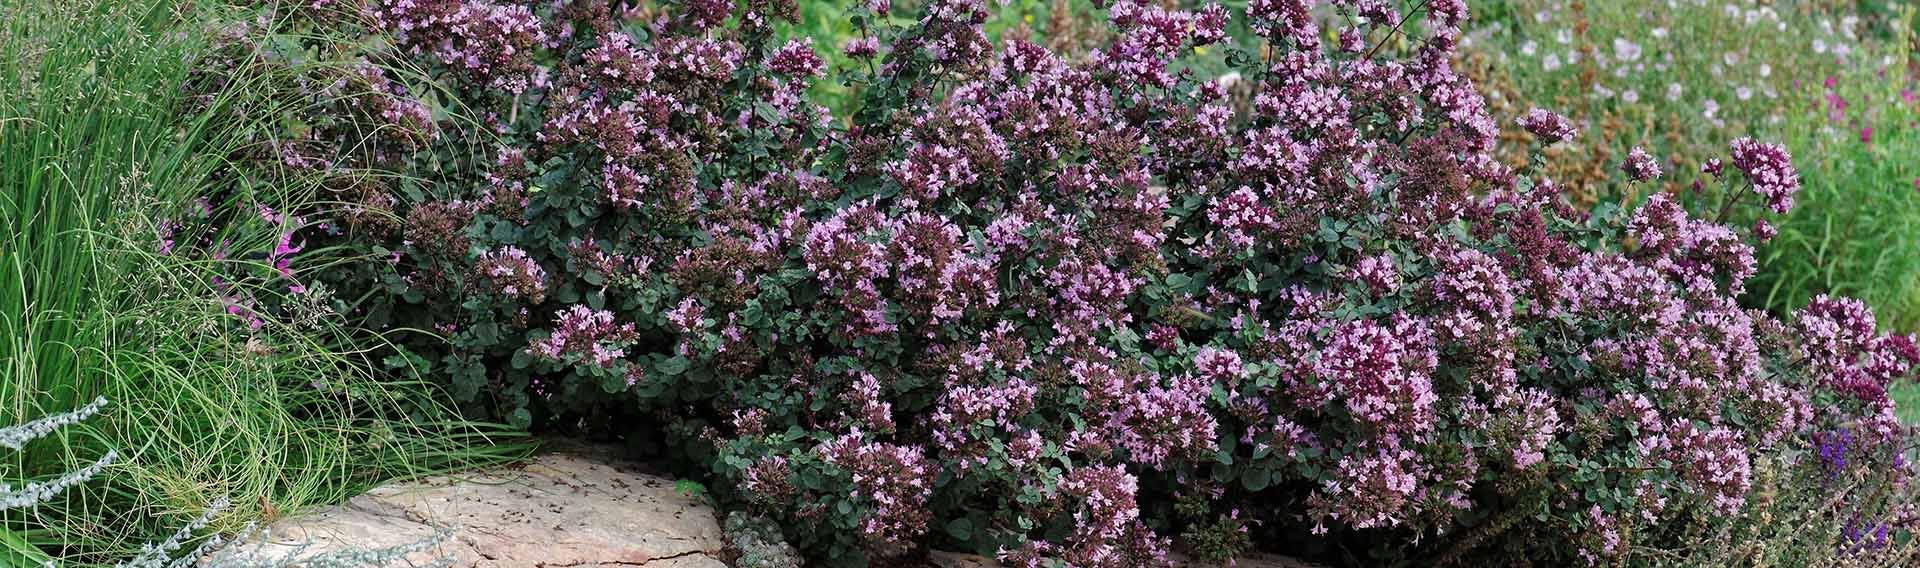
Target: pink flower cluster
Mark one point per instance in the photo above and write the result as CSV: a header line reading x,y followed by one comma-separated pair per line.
x,y
1108,531
410,119
514,274
1550,128
1770,169
491,42
1843,347
1640,166
894,481
585,334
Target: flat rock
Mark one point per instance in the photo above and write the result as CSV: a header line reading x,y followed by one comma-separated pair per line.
x,y
576,507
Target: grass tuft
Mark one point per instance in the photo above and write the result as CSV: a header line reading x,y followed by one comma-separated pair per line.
x,y
96,147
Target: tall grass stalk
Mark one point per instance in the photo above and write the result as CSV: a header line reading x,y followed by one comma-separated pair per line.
x,y
95,147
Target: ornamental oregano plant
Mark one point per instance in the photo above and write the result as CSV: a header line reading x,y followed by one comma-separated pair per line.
x,y
1062,311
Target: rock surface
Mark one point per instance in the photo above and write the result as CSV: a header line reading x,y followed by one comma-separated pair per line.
x,y
572,508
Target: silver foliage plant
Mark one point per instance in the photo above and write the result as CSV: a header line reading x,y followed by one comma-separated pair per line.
x,y
209,553
34,493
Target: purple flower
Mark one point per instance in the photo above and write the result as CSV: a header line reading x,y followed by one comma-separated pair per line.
x,y
797,59
688,316
1864,536
514,274
1383,372
1770,169
1527,424
163,233
892,481
1241,217
488,43
1832,448
861,47
1713,167
1845,352
1714,463
282,255
1640,166
1218,364
1379,273
868,404
619,62
1108,531
1163,424
583,334
1548,127
1375,488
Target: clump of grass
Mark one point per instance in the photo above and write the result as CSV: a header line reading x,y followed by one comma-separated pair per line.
x,y
95,147
1857,229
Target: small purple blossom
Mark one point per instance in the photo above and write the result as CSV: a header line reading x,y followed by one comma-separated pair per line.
x,y
282,258
1379,273
514,274
1770,169
1641,166
861,47
687,317
1548,127
1713,167
585,335
797,59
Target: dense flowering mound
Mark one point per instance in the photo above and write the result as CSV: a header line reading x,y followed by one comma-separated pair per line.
x,y
1065,310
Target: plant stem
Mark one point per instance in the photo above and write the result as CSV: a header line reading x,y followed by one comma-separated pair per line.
x,y
1732,198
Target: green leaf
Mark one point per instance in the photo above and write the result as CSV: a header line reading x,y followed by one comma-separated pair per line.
x,y
672,366
468,379
1256,478
16,551
612,382
961,529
